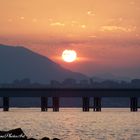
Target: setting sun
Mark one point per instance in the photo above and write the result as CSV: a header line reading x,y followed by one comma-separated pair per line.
x,y
69,55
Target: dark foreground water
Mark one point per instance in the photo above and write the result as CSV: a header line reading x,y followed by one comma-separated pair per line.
x,y
73,124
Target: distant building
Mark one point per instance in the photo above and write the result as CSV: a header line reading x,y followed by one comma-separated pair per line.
x,y
109,84
135,83
25,81
84,83
69,82
91,81
54,83
22,83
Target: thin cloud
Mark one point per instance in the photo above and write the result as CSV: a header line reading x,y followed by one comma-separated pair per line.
x,y
34,19
90,13
22,18
10,20
57,24
92,36
118,28
83,26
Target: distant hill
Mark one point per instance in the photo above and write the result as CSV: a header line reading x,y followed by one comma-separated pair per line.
x,y
19,63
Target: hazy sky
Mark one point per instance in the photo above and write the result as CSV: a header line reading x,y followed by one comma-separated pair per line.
x,y
105,33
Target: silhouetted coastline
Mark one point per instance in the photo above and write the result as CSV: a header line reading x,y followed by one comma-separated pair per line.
x,y
73,83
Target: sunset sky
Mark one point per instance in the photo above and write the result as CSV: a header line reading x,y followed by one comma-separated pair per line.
x,y
104,33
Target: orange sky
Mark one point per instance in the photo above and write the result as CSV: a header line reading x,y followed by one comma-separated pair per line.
x,y
105,34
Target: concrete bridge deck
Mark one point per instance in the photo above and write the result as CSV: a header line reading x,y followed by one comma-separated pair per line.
x,y
69,92
57,93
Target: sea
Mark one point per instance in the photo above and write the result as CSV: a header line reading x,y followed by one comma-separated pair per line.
x,y
73,124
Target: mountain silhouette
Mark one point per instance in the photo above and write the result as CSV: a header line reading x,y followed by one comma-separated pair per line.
x,y
19,63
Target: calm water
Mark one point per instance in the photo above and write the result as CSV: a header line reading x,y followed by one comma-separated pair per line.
x,y
73,124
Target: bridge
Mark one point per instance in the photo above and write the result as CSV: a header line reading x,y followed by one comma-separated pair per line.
x,y
84,93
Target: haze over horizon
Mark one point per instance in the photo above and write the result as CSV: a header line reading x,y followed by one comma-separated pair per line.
x,y
105,35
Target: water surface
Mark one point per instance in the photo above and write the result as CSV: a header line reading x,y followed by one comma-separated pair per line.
x,y
73,124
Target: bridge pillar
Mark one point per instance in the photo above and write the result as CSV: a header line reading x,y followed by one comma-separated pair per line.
x,y
44,103
133,104
55,104
86,103
97,104
5,103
